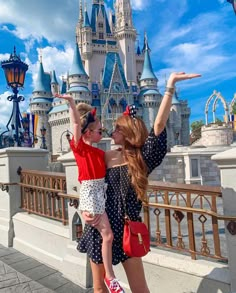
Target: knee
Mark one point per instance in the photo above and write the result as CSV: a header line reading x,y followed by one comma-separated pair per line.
x,y
108,237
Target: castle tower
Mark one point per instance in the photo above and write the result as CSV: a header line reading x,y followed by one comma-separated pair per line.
x,y
78,79
96,38
54,83
40,104
126,36
149,95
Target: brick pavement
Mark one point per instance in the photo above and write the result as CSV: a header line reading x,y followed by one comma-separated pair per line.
x,y
20,273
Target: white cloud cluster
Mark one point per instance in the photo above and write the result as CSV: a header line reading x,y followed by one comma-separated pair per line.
x,y
52,20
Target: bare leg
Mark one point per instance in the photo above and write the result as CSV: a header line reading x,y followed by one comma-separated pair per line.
x,y
135,274
107,238
98,278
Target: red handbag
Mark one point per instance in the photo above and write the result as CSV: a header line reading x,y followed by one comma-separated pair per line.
x,y
136,239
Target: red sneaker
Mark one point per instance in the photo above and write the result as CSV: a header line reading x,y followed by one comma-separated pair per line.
x,y
113,286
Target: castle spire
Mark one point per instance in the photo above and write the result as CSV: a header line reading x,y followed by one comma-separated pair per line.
x,y
77,65
147,67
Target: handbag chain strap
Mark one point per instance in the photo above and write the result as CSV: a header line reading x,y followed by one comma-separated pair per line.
x,y
123,195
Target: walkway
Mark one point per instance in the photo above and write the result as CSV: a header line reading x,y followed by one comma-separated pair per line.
x,y
20,273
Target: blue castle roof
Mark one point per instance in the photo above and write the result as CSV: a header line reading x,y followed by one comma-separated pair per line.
x,y
77,65
43,81
95,11
147,67
111,59
86,19
54,78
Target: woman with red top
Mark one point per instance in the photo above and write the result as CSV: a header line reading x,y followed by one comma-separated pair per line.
x,y
91,166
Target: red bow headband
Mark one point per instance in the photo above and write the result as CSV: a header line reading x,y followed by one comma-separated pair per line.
x,y
90,117
130,111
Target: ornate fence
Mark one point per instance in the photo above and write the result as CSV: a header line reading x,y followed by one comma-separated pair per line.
x,y
44,194
182,217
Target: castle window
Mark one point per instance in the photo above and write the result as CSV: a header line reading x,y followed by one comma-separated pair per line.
x,y
101,36
100,25
194,168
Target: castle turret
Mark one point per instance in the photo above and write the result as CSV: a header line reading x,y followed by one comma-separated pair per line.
x,y
149,96
78,79
86,45
126,36
54,83
40,105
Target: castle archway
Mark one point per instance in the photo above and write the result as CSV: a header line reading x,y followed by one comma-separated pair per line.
x,y
216,96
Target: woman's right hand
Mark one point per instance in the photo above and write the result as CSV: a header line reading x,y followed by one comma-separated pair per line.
x,y
91,220
66,97
178,76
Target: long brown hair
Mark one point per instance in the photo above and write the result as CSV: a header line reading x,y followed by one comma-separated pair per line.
x,y
135,133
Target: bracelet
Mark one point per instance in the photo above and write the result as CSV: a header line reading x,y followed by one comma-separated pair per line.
x,y
170,90
168,94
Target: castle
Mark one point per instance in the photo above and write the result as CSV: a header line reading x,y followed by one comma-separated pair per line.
x,y
109,71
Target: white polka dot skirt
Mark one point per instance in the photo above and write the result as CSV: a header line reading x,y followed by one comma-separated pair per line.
x,y
92,196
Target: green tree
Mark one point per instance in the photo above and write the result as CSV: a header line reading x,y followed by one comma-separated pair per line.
x,y
234,108
196,125
218,121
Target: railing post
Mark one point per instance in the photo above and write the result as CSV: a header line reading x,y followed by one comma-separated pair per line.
x,y
227,164
76,265
10,199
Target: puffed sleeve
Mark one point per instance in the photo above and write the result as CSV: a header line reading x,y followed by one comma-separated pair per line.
x,y
154,149
77,148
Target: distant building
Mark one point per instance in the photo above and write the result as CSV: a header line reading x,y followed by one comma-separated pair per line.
x,y
109,71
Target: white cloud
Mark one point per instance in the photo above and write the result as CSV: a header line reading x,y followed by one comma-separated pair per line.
x,y
53,59
52,20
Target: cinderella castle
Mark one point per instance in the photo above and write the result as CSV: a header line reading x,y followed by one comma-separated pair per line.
x,y
109,71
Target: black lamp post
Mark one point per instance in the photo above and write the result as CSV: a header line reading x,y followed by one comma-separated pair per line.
x,y
43,131
14,70
68,133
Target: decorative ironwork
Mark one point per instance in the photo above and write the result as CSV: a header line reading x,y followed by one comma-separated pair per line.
x,y
202,219
14,70
74,203
157,212
178,215
4,186
232,227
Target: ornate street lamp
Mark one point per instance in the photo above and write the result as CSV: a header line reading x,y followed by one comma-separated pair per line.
x,y
68,134
14,70
43,131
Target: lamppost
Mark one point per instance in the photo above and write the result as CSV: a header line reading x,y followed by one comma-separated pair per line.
x,y
68,133
29,138
14,70
43,131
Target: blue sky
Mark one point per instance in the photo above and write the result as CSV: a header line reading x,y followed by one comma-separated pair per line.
x,y
188,35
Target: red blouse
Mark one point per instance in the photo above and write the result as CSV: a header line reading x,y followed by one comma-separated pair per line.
x,y
90,160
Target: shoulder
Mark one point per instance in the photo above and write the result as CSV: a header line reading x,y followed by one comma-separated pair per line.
x,y
112,157
110,154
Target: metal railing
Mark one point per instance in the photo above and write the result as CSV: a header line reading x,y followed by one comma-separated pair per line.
x,y
186,218
183,217
44,194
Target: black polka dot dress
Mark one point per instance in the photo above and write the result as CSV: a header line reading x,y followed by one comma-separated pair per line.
x,y
118,182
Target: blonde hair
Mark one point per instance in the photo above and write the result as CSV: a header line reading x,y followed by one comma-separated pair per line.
x,y
83,110
135,133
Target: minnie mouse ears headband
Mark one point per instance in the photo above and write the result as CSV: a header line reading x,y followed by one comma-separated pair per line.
x,y
90,117
131,111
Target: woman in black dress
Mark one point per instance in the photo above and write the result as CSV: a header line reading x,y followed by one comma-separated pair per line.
x,y
127,175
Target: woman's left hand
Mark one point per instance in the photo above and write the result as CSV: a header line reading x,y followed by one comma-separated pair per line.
x,y
178,76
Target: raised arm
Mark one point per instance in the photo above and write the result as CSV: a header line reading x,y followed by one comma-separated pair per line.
x,y
74,114
164,110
